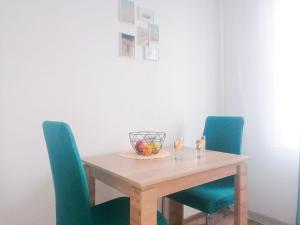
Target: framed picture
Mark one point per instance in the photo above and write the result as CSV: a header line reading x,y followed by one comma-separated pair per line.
x,y
142,36
126,11
145,15
127,45
151,53
154,32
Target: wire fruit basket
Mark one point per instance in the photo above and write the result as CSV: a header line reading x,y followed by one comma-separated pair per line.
x,y
147,142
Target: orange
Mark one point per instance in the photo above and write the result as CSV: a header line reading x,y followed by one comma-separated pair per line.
x,y
147,150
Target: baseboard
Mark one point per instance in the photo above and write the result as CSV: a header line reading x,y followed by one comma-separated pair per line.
x,y
256,217
194,217
265,220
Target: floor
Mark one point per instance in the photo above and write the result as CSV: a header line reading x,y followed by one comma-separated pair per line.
x,y
223,218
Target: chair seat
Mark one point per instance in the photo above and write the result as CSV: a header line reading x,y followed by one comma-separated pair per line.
x,y
116,212
208,198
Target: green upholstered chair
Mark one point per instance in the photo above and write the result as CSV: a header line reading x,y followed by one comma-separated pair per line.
x,y
222,134
71,187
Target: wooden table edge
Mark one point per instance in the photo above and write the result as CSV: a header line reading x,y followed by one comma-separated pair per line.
x,y
129,182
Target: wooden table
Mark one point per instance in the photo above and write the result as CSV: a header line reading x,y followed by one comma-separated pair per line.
x,y
144,181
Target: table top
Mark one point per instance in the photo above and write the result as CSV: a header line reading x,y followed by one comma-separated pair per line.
x,y
143,173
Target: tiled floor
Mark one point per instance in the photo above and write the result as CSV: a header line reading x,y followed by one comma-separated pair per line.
x,y
223,218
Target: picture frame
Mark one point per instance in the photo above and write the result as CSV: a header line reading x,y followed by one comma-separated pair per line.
x,y
151,53
145,15
126,11
126,45
142,36
153,33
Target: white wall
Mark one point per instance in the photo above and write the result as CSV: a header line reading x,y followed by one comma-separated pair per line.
x,y
203,46
59,61
247,54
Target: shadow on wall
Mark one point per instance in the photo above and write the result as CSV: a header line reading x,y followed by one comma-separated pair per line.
x,y
105,192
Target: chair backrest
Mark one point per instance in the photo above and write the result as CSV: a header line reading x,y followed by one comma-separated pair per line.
x,y
70,182
224,133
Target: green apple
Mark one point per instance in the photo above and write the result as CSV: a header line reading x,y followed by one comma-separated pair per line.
x,y
155,147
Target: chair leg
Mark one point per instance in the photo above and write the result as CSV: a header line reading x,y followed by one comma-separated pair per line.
x,y
207,219
163,205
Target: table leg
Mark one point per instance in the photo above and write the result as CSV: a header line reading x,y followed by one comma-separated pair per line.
x,y
175,212
143,207
241,205
92,184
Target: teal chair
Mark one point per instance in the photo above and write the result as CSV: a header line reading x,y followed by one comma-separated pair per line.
x,y
71,187
222,134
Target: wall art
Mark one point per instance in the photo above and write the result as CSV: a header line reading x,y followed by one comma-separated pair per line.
x,y
127,45
151,53
126,11
145,15
154,32
142,36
